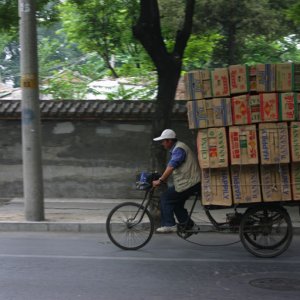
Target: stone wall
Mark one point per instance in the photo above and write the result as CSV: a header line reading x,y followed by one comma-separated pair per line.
x,y
82,159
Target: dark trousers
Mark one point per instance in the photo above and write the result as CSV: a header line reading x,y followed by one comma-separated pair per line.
x,y
172,202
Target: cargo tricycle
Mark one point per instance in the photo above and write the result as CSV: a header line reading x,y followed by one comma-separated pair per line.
x,y
265,229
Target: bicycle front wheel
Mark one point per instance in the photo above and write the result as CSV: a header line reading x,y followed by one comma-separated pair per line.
x,y
129,226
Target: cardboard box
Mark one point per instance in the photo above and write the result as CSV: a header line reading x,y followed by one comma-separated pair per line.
x,y
252,78
298,106
240,110
207,89
265,78
212,148
285,77
245,184
295,141
221,111
200,114
276,183
206,113
206,83
216,187
220,82
269,111
243,145
193,85
239,79
274,143
288,106
254,108
296,77
295,181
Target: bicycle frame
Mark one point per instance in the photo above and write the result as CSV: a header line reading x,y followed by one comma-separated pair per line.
x,y
143,206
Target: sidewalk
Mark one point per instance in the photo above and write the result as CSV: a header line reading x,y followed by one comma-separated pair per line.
x,y
89,215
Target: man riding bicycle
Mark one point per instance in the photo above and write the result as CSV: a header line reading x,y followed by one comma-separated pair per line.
x,y
184,168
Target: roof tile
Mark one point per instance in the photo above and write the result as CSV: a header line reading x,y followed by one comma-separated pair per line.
x,y
100,109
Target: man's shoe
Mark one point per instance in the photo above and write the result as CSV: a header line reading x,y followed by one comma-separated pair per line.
x,y
187,232
167,229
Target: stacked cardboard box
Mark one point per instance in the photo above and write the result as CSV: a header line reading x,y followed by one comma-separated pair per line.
x,y
206,113
245,184
216,187
246,151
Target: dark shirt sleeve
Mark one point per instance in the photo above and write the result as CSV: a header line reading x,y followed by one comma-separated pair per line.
x,y
177,158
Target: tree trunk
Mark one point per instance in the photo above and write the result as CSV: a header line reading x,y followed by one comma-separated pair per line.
x,y
167,84
168,65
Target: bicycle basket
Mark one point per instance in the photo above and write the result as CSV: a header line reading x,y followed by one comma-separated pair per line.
x,y
144,180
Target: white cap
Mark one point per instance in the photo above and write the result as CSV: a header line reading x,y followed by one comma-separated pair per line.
x,y
165,135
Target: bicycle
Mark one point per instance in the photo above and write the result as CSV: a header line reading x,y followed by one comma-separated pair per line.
x,y
265,229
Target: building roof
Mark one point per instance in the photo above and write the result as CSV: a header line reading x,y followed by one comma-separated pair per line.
x,y
92,109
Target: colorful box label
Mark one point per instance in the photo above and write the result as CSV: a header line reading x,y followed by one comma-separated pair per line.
x,y
288,108
243,145
269,107
212,148
240,110
254,108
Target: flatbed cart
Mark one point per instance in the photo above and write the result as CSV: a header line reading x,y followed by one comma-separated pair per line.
x,y
265,229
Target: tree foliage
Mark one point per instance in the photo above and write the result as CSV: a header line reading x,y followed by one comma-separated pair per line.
x,y
237,21
101,27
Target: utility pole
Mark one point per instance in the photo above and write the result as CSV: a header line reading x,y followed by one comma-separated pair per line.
x,y
31,132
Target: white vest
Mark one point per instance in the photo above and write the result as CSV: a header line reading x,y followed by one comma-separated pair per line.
x,y
188,173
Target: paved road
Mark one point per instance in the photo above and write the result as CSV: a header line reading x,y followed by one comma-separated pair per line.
x,y
65,266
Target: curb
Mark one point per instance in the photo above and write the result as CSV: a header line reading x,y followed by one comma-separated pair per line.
x,y
80,227
52,227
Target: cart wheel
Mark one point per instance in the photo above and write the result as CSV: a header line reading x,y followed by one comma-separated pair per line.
x,y
266,231
129,226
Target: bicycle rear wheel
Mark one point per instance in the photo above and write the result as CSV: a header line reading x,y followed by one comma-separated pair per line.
x,y
266,231
129,226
